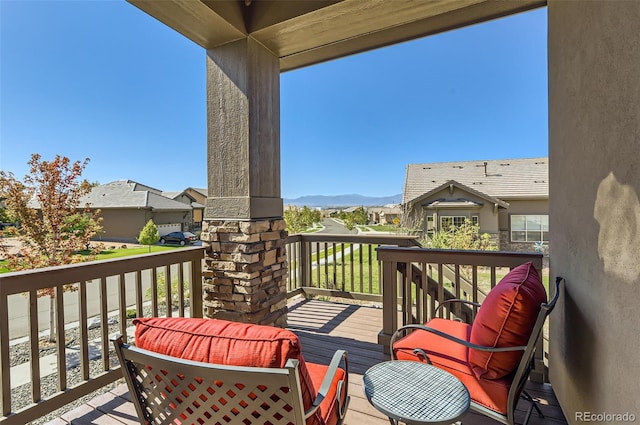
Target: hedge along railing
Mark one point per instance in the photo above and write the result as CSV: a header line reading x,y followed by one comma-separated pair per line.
x,y
140,276
417,280
342,266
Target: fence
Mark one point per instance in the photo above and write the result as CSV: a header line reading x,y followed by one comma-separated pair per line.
x,y
168,283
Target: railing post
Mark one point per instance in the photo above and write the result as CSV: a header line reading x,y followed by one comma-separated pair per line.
x,y
305,264
196,292
389,303
5,377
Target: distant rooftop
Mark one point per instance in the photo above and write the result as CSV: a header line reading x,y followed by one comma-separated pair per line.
x,y
201,190
130,194
502,178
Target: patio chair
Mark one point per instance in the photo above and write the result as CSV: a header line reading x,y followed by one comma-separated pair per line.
x,y
493,356
196,371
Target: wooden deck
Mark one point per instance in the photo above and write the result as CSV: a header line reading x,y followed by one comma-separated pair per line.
x,y
322,328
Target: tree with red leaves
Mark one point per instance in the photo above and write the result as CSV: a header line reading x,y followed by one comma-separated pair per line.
x,y
54,227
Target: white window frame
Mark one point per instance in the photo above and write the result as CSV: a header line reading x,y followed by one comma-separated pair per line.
x,y
431,222
453,218
529,234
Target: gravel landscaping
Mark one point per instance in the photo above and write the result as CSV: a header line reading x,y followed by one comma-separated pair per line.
x,y
20,354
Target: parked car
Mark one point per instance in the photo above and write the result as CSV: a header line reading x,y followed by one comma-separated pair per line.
x,y
181,238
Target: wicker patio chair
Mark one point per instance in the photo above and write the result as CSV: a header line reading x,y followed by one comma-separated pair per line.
x,y
166,389
493,356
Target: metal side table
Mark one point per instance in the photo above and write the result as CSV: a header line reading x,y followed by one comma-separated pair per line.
x,y
415,393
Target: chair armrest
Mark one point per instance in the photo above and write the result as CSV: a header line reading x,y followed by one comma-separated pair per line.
x,y
453,339
338,357
455,300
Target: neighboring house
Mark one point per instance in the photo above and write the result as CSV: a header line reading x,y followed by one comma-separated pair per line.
x,y
330,212
200,196
126,206
350,210
384,215
197,203
507,198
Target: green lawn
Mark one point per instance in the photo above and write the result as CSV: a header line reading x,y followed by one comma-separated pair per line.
x,y
116,253
484,279
358,278
315,228
383,228
127,252
360,281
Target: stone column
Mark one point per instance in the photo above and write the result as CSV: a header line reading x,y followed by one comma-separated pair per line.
x,y
245,272
243,229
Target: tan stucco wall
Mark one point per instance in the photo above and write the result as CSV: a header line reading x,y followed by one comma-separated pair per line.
x,y
200,198
594,150
197,215
122,223
184,199
126,224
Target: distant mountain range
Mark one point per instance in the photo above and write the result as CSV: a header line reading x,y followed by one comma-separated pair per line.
x,y
343,201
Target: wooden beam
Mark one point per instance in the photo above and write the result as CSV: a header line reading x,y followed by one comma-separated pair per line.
x,y
306,33
389,27
207,26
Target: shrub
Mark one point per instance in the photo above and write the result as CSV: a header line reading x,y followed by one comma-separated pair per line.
x,y
465,236
149,234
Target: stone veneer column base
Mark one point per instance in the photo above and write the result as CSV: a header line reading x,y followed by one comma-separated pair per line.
x,y
245,271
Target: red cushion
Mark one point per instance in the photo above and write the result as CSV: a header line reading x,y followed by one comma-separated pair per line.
x,y
228,343
453,358
328,408
506,319
490,393
440,350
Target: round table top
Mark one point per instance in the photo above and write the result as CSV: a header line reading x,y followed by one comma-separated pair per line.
x,y
415,392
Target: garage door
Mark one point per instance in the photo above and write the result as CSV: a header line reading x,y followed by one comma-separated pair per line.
x,y
165,229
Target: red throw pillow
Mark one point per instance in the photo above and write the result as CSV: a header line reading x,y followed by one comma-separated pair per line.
x,y
506,319
225,342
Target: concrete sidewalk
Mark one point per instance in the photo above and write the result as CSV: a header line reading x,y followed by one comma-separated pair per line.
x,y
21,374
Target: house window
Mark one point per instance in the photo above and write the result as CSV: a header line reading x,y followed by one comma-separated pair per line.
x,y
452,221
430,226
530,228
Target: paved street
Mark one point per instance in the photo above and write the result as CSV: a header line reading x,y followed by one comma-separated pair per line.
x,y
334,227
19,305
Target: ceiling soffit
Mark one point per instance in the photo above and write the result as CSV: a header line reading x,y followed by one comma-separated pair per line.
x,y
303,33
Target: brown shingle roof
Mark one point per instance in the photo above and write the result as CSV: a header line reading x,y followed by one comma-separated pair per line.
x,y
504,179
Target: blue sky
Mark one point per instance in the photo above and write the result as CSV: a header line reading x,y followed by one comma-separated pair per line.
x,y
103,80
